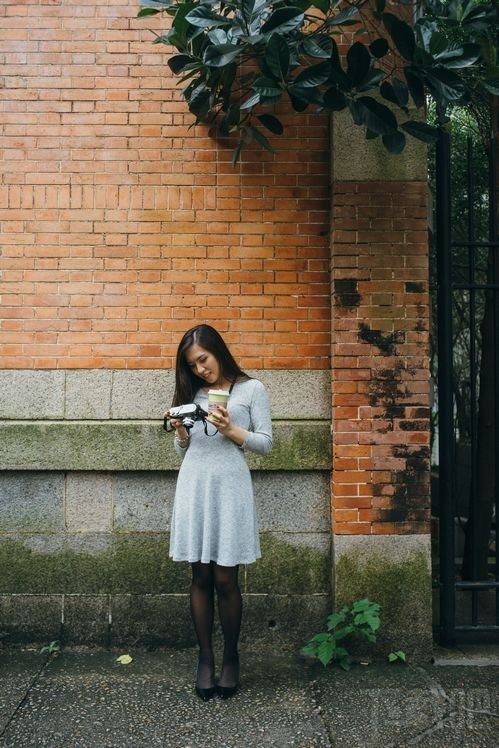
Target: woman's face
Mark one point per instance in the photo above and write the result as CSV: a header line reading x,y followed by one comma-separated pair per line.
x,y
204,365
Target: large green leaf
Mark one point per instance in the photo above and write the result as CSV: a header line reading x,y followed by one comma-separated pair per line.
x,y
236,154
421,131
181,31
320,46
372,79
401,92
395,91
424,29
402,35
358,63
394,142
379,47
456,56
445,85
284,20
338,75
254,11
326,651
298,98
219,55
262,139
308,94
152,7
313,76
230,121
178,63
438,43
203,17
199,102
334,100
147,12
478,16
356,111
276,56
251,101
416,86
376,116
345,17
266,86
271,123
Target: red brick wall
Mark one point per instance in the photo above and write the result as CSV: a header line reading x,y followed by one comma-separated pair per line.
x,y
380,374
121,226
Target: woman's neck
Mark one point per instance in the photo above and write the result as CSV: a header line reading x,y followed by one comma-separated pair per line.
x,y
224,384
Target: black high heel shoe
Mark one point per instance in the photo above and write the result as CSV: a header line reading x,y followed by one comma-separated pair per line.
x,y
205,694
226,692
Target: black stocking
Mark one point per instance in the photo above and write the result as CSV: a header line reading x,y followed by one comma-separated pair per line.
x,y
230,611
202,589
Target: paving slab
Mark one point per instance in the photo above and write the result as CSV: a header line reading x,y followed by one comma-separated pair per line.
x,y
18,670
84,698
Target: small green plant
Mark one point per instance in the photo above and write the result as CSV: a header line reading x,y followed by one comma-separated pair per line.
x,y
360,621
398,656
51,648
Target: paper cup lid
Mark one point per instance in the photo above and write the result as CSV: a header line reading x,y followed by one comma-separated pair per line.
x,y
226,393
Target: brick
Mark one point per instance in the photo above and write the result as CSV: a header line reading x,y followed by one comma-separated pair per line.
x,y
384,300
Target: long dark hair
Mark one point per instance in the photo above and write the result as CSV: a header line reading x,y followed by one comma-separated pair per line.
x,y
187,383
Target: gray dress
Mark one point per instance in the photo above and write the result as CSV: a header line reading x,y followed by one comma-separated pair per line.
x,y
214,516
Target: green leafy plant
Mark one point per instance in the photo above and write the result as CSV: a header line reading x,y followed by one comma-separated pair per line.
x,y
237,58
52,648
398,656
360,621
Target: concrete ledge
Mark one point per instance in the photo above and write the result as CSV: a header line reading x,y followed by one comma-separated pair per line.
x,y
106,394
142,445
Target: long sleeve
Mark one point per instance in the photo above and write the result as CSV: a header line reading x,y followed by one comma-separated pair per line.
x,y
259,438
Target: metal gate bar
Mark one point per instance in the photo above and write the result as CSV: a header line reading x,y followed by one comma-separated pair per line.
x,y
486,292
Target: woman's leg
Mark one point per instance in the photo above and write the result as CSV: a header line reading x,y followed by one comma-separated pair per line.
x,y
230,611
202,592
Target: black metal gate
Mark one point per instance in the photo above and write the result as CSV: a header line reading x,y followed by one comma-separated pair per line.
x,y
465,453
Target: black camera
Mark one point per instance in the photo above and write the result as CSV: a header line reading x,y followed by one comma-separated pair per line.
x,y
188,413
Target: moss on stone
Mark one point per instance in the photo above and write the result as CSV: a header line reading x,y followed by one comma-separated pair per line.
x,y
297,446
135,564
288,568
138,563
141,565
402,586
143,445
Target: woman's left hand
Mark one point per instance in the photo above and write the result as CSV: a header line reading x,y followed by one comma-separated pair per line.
x,y
219,418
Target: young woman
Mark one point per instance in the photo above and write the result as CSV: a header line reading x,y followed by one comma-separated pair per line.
x,y
214,524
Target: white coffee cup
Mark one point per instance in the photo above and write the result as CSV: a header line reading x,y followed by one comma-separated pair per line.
x,y
217,397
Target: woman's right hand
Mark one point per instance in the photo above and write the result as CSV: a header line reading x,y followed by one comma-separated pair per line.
x,y
177,424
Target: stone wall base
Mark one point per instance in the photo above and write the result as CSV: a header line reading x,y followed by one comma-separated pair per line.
x,y
394,571
270,621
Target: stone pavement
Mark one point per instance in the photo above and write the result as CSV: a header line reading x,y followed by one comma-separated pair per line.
x,y
84,698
